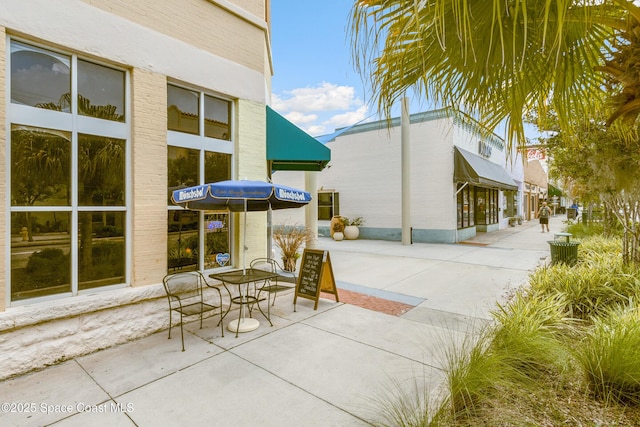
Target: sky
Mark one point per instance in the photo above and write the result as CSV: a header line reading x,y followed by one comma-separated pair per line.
x,y
315,85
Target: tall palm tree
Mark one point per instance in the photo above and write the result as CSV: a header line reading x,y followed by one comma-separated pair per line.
x,y
500,59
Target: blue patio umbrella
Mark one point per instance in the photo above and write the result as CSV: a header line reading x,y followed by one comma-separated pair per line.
x,y
240,196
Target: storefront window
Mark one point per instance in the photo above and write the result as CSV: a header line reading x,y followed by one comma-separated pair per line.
x,y
100,92
328,204
53,200
40,254
482,206
217,118
182,110
196,239
40,167
39,77
101,249
466,209
101,171
486,203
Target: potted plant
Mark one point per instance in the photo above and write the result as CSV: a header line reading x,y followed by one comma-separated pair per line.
x,y
519,219
512,221
351,230
290,238
337,227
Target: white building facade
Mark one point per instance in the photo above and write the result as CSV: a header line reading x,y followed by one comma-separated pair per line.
x,y
461,179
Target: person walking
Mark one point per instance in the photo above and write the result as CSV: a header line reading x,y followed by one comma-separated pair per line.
x,y
543,215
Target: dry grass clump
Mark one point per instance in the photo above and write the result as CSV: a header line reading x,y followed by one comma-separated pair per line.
x,y
290,238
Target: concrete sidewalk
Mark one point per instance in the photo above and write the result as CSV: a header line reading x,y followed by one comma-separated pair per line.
x,y
329,367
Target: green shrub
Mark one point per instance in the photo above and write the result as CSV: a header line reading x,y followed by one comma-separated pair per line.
x,y
610,355
476,375
530,333
48,267
600,280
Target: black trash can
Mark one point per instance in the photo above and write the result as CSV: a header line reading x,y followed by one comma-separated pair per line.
x,y
564,252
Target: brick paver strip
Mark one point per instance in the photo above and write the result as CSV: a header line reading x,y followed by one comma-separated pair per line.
x,y
370,302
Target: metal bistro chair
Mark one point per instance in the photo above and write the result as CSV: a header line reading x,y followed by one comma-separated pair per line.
x,y
185,295
284,282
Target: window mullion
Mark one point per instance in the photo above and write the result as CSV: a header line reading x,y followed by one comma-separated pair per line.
x,y
74,175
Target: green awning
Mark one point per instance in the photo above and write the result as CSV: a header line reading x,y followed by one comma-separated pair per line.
x,y
291,148
478,171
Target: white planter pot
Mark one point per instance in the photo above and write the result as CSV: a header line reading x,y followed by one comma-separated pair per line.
x,y
338,236
351,232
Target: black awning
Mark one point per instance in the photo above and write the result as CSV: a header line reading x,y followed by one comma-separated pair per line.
x,y
478,171
291,148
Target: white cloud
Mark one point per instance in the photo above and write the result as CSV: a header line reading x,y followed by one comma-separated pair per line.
x,y
348,118
325,97
301,118
311,108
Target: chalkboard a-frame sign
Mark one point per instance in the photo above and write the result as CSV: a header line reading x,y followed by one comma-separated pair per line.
x,y
316,274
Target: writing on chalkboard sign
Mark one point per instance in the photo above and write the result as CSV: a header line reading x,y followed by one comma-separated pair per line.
x,y
316,274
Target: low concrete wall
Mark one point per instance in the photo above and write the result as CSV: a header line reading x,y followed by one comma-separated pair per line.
x,y
38,335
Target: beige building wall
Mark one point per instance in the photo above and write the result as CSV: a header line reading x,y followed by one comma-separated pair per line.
x,y
251,155
149,177
219,47
208,25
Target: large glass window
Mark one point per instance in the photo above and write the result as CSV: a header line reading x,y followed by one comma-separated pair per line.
x,y
486,203
198,153
100,91
328,204
217,118
183,109
68,183
40,78
465,206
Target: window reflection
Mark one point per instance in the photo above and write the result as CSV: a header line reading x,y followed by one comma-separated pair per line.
x,y
40,78
217,116
40,166
100,91
101,249
101,171
183,169
194,166
183,241
40,254
182,110
216,229
217,166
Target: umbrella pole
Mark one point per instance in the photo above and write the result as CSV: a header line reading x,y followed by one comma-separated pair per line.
x,y
244,239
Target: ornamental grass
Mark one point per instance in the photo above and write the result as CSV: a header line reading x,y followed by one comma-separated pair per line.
x,y
563,351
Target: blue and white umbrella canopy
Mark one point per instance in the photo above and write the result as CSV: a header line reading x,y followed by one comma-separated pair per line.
x,y
240,196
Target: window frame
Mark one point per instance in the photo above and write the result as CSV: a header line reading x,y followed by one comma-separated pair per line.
x,y
76,124
204,144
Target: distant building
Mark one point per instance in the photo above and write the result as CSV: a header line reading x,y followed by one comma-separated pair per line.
x,y
462,180
536,188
